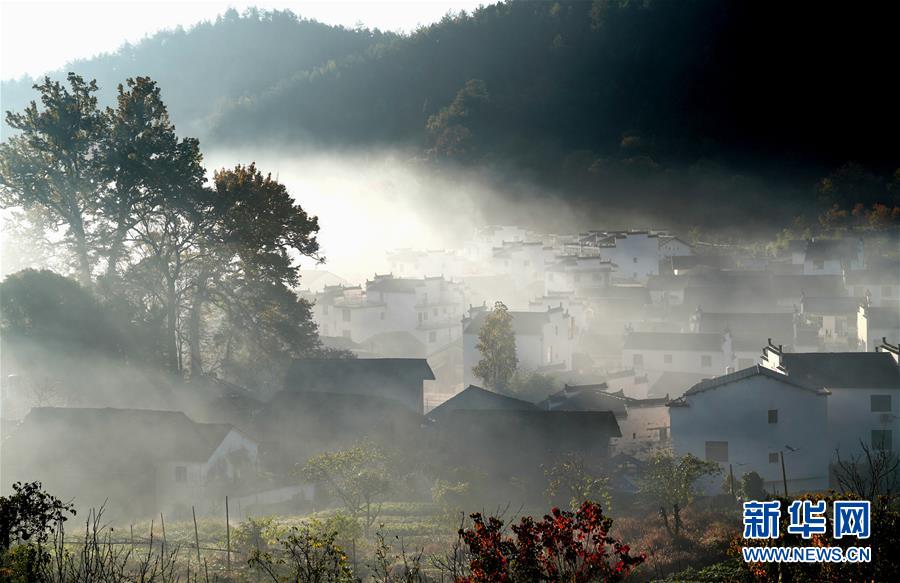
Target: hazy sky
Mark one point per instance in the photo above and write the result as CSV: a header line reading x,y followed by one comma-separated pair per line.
x,y
37,36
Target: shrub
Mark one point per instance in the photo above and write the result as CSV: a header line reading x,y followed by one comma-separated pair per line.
x,y
563,547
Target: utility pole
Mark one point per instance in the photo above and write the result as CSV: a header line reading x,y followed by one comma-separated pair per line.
x,y
783,474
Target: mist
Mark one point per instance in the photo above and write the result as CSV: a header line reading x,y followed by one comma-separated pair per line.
x,y
281,299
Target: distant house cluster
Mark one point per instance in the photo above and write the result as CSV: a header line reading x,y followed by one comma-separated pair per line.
x,y
778,364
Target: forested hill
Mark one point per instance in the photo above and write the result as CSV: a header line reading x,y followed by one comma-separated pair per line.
x,y
627,96
214,63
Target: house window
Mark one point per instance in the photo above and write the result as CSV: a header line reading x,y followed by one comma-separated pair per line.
x,y
773,458
325,309
556,330
819,264
346,333
717,451
882,439
705,361
634,260
887,291
880,403
381,315
181,474
432,336
637,360
346,315
435,311
667,358
773,416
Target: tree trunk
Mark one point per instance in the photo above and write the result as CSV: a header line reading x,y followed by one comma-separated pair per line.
x,y
81,251
171,326
196,322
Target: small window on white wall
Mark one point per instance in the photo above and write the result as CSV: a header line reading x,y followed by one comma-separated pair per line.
x,y
717,451
705,361
637,360
880,403
181,474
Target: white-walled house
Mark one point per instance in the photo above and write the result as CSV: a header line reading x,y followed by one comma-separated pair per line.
x,y
874,325
140,460
523,261
427,311
635,253
864,405
833,256
577,274
413,263
543,341
671,246
877,287
749,419
576,308
685,352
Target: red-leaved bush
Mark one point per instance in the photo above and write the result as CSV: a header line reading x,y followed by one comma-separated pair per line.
x,y
564,547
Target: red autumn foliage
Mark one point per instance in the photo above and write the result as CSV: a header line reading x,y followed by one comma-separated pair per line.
x,y
570,547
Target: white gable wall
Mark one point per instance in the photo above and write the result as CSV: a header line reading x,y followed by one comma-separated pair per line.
x,y
737,413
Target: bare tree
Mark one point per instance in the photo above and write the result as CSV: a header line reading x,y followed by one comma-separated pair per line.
x,y
869,475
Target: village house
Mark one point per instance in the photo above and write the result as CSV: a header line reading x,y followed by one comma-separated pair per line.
x,y
747,420
523,261
399,379
635,253
411,263
543,341
576,273
876,325
835,318
879,288
139,461
708,354
480,248
684,265
644,423
504,437
864,401
576,308
748,331
474,398
671,246
829,256
394,316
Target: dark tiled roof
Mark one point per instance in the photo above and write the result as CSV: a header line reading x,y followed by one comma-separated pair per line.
x,y
345,372
675,341
839,305
843,370
161,435
843,249
673,383
752,326
477,399
746,373
793,284
394,285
